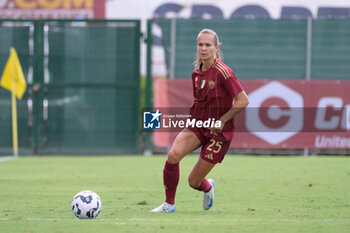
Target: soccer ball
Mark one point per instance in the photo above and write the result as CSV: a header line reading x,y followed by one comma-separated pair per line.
x,y
86,205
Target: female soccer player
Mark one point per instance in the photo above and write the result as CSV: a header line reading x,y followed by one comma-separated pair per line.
x,y
217,94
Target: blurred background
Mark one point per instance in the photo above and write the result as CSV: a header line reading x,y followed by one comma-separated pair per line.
x,y
92,67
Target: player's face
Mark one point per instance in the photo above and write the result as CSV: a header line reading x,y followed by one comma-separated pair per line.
x,y
206,48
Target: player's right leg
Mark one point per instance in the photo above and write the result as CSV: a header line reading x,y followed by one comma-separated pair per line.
x,y
185,142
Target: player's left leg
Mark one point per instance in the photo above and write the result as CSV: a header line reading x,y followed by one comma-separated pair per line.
x,y
212,152
198,181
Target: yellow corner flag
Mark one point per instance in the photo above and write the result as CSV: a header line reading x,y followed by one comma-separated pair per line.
x,y
12,78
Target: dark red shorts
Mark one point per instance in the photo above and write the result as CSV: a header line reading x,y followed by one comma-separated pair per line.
x,y
214,148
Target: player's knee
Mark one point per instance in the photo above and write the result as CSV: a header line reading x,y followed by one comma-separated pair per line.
x,y
193,183
174,157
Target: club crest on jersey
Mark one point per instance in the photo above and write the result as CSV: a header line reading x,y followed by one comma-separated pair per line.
x,y
195,82
211,84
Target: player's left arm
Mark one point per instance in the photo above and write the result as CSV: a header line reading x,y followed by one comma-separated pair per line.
x,y
240,101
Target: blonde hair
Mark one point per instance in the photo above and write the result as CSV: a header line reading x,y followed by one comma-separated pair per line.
x,y
197,62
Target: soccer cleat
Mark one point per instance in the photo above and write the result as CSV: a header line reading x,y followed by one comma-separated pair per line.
x,y
208,197
164,208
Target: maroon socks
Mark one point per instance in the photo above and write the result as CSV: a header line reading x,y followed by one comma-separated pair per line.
x,y
205,186
171,177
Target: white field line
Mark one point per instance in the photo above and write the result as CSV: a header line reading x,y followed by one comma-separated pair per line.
x,y
123,221
7,158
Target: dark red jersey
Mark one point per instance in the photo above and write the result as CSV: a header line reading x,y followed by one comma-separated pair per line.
x,y
213,92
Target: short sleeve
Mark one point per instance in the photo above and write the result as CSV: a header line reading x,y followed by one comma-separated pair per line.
x,y
232,85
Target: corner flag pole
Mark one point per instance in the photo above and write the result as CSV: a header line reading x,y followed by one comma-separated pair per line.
x,y
14,122
13,80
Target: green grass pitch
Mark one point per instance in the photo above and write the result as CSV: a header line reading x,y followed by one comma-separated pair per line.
x,y
253,194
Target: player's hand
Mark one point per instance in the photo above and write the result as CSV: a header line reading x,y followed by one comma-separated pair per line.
x,y
216,130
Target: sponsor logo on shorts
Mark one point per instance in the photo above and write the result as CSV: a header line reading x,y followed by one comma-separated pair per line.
x,y
209,156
